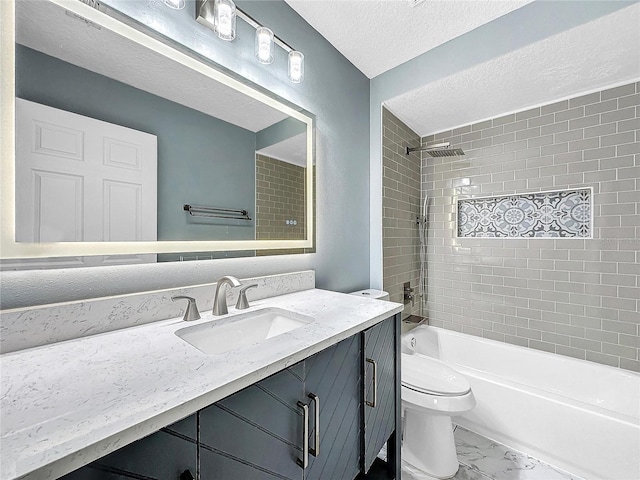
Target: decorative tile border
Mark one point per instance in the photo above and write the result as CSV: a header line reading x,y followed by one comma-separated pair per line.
x,y
559,214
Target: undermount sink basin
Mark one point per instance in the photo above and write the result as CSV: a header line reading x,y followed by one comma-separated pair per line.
x,y
243,330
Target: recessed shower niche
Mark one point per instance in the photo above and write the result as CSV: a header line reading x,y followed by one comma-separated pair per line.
x,y
557,214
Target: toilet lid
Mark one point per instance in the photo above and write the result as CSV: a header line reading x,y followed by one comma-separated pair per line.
x,y
428,375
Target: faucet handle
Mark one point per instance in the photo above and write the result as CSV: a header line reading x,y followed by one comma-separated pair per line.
x,y
243,303
191,313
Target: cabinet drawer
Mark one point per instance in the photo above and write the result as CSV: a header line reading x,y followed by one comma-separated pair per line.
x,y
161,456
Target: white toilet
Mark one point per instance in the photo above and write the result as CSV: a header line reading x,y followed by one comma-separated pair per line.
x,y
431,393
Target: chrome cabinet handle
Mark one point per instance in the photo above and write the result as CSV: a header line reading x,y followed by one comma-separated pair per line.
x,y
375,384
316,405
305,435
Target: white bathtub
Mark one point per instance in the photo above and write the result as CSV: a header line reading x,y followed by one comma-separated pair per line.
x,y
577,415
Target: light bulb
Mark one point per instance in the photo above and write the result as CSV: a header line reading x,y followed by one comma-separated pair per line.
x,y
264,45
175,4
225,19
296,66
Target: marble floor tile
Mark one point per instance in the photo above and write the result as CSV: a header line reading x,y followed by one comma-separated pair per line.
x,y
500,462
464,473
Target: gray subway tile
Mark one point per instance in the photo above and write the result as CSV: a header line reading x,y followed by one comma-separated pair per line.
x,y
584,144
490,132
621,91
482,125
617,139
584,122
628,149
631,124
540,141
544,346
600,130
571,352
620,350
504,119
554,128
533,112
584,100
591,345
515,126
600,107
555,338
604,152
569,136
528,133
618,115
569,114
619,327
633,365
541,121
629,101
611,360
554,107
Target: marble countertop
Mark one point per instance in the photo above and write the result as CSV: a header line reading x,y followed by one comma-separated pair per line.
x,y
66,404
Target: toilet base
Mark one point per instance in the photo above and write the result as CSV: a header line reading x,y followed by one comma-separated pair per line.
x,y
429,444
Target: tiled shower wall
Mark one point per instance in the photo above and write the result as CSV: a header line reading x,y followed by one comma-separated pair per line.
x,y
280,196
401,206
575,297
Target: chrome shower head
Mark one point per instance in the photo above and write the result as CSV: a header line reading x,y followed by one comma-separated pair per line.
x,y
438,150
445,152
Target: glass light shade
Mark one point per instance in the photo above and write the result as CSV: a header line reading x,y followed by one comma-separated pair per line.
x,y
264,45
224,13
175,4
296,66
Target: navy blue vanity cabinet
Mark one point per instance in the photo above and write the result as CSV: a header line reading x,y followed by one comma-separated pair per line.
x,y
164,455
332,380
348,394
381,372
257,432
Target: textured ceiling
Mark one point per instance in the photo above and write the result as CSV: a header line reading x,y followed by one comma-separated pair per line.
x,y
106,53
597,54
377,36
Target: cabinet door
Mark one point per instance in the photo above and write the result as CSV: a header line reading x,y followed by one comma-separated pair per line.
x,y
379,387
164,455
333,375
255,433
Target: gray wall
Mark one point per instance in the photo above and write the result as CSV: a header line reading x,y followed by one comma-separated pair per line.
x,y
575,297
334,90
401,207
201,160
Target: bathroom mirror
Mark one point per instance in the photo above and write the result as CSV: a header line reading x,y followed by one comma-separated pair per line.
x,y
120,146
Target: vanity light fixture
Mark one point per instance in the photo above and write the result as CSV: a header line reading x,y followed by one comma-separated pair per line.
x,y
264,45
175,4
220,16
224,14
296,66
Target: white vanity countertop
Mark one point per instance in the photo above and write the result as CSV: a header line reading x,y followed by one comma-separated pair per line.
x,y
67,404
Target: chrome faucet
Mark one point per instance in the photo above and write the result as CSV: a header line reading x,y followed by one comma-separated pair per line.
x,y
220,299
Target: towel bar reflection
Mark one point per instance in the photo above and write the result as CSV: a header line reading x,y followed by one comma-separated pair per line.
x,y
213,212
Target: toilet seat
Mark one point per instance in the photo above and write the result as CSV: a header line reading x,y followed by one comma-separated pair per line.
x,y
430,376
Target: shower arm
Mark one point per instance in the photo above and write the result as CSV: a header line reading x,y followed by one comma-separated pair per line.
x,y
426,148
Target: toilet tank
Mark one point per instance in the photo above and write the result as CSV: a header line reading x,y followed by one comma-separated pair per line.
x,y
372,293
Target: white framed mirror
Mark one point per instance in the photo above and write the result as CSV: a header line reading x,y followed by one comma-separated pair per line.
x,y
119,146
